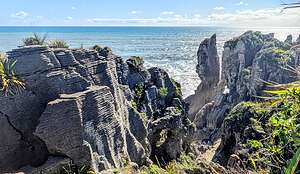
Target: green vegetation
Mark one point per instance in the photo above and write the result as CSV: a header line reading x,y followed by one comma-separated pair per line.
x,y
139,91
73,169
276,123
10,82
97,48
280,51
293,163
184,163
136,60
35,40
282,55
133,104
58,44
163,92
178,88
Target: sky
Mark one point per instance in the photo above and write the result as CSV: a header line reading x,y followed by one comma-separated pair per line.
x,y
250,13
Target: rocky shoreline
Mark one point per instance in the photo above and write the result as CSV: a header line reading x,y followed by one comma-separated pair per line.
x,y
89,107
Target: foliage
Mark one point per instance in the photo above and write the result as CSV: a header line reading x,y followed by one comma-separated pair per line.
x,y
293,163
58,44
136,61
278,131
178,87
97,48
139,90
10,82
35,40
282,55
153,169
73,169
133,104
255,144
163,92
185,162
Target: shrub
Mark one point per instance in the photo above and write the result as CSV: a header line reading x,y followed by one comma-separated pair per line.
x,y
35,40
178,88
184,163
58,44
163,92
136,61
74,169
10,82
97,48
139,90
277,122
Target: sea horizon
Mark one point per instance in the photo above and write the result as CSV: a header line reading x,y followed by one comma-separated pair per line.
x,y
172,48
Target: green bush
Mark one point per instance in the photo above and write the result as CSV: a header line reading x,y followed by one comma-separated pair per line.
x,y
184,163
136,61
10,82
58,44
97,48
277,121
35,40
163,92
74,169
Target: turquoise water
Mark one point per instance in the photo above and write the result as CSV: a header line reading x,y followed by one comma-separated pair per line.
x,y
171,48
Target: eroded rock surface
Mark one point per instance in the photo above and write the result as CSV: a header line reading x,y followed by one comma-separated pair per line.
x,y
250,63
78,106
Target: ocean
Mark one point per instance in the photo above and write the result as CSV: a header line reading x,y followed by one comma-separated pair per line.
x,y
171,48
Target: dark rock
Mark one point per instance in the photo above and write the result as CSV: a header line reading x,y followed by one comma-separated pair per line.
x,y
248,62
289,39
78,106
208,67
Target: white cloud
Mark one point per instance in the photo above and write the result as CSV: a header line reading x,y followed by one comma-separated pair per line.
x,y
20,15
74,8
258,18
69,18
167,13
242,3
219,8
244,18
134,12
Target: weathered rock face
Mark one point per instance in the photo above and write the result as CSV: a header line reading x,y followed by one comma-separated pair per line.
x,y
77,107
248,62
158,98
208,70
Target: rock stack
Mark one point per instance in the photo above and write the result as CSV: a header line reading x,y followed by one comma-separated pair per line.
x,y
78,108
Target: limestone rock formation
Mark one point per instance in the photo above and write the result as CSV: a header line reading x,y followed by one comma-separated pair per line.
x,y
78,106
248,62
208,70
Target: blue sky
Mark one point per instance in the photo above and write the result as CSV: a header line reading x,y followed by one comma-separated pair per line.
x,y
147,12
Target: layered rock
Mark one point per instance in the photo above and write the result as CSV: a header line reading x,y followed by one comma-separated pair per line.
x,y
77,107
248,62
251,63
208,70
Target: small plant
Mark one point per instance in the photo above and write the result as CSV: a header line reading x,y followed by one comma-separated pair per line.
x,y
35,40
279,51
163,92
97,48
178,88
136,61
133,104
74,169
293,163
139,90
255,144
58,44
10,82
